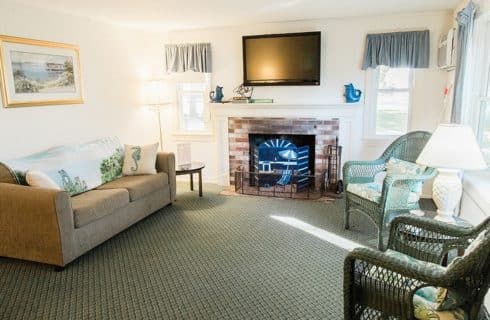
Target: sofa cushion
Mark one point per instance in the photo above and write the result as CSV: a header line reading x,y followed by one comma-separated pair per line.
x,y
95,204
75,168
138,186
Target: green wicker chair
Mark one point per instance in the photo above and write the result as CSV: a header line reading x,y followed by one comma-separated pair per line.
x,y
380,285
396,191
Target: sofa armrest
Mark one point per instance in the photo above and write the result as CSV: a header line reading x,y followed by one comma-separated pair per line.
x,y
166,163
34,223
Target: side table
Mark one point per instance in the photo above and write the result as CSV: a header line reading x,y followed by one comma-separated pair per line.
x,y
190,169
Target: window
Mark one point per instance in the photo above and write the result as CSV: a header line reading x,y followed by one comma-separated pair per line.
x,y
193,117
389,103
484,121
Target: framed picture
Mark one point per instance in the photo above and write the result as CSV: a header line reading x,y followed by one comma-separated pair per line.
x,y
39,73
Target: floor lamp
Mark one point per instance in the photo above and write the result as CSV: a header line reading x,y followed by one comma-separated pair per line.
x,y
155,96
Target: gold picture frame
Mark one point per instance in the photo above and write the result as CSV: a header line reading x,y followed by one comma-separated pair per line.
x,y
39,73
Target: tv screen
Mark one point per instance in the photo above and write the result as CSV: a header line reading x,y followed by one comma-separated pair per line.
x,y
282,59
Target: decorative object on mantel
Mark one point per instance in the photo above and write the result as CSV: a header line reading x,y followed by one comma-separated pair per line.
x,y
188,57
243,91
154,96
217,95
39,73
262,100
397,50
352,95
451,148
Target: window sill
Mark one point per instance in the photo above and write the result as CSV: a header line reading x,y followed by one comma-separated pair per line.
x,y
193,135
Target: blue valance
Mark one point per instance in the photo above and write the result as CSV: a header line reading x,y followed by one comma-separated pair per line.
x,y
188,57
397,50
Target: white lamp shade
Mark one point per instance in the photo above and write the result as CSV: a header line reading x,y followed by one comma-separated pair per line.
x,y
452,146
155,93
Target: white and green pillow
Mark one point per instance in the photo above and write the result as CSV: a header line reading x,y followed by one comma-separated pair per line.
x,y
74,168
402,167
140,159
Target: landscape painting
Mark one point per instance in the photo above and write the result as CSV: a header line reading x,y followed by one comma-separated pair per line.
x,y
43,73
35,72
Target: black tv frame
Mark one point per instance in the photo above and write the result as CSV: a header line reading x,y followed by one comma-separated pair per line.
x,y
285,83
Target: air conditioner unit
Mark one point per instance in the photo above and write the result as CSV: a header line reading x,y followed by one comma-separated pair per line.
x,y
446,54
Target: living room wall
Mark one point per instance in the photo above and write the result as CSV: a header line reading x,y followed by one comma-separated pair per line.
x,y
114,62
342,51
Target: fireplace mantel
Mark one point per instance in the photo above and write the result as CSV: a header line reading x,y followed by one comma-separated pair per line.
x,y
348,116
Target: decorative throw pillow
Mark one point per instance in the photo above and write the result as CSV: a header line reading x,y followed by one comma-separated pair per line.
x,y
140,159
39,179
397,166
75,168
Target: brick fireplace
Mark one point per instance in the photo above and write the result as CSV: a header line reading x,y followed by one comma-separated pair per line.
x,y
241,128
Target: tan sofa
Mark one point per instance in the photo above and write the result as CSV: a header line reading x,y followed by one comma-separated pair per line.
x,y
51,227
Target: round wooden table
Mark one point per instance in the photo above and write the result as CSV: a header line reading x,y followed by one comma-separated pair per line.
x,y
190,169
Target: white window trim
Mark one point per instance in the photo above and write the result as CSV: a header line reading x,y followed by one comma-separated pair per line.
x,y
372,80
478,80
193,135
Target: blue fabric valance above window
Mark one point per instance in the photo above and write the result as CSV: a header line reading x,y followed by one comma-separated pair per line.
x,y
397,50
188,57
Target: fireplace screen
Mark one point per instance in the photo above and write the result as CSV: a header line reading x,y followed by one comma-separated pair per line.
x,y
278,160
280,168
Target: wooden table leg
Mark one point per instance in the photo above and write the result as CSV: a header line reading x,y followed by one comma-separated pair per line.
x,y
200,183
192,182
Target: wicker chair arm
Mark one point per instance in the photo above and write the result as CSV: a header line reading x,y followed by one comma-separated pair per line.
x,y
383,282
361,171
404,182
422,273
427,239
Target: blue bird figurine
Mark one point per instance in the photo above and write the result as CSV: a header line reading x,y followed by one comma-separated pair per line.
x,y
352,94
217,95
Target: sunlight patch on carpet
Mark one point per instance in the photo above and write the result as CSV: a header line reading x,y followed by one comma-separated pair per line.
x,y
319,233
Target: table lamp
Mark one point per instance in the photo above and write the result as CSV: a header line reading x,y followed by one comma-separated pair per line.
x,y
155,96
451,148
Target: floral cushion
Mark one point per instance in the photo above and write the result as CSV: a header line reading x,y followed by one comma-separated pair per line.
x,y
372,191
397,166
443,298
75,168
427,310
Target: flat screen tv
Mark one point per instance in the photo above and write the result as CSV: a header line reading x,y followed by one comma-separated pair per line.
x,y
282,59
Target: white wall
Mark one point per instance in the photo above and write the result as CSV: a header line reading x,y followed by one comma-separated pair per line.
x,y
342,50
113,63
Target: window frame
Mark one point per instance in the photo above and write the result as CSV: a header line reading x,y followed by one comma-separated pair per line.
x,y
370,115
192,78
479,77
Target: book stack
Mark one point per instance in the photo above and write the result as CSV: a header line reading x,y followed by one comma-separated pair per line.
x,y
240,100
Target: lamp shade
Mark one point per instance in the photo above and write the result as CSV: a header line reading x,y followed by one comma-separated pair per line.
x,y
452,146
155,93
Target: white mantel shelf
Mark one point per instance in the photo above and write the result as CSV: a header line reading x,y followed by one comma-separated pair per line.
x,y
284,105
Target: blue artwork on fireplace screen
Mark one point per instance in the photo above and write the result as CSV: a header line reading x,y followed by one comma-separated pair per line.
x,y
286,163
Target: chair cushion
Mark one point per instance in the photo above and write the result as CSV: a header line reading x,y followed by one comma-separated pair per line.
x,y
406,168
372,191
95,204
443,298
138,186
426,310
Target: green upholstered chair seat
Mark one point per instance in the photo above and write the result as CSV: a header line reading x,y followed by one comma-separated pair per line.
x,y
372,192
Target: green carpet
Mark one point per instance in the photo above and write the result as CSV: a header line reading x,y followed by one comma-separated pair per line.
x,y
217,257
